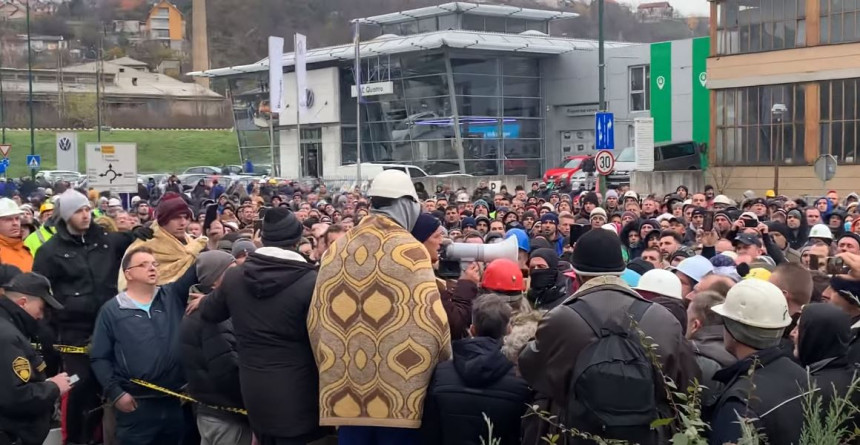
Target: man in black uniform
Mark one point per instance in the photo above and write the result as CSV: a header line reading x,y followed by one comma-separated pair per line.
x,y
26,397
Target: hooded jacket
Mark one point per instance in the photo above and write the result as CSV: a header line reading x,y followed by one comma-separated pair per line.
x,y
633,252
479,380
548,362
211,364
82,271
823,336
267,299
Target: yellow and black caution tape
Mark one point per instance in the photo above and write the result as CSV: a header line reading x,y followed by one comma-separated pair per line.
x,y
65,349
186,397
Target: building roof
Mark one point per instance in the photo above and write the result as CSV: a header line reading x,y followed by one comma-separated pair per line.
x,y
530,42
122,84
128,61
655,5
470,8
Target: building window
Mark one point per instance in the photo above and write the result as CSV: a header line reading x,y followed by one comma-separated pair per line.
x,y
640,88
839,21
840,119
749,26
760,125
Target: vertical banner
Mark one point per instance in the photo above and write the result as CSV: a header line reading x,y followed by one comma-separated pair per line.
x,y
661,91
701,94
301,46
276,73
67,151
644,143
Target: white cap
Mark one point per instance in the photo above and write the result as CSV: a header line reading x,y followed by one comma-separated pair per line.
x,y
463,198
661,282
597,211
749,215
114,202
135,200
820,231
755,303
392,184
9,208
695,267
631,194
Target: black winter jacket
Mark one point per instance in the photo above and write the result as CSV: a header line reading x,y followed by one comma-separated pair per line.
x,y
82,271
268,298
26,399
211,364
479,380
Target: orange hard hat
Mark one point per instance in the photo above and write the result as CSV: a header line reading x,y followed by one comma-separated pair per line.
x,y
503,275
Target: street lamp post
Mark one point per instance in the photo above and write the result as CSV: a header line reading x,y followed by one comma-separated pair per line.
x,y
601,56
30,95
778,152
2,103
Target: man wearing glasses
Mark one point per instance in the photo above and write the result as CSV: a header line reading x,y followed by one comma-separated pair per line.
x,y
134,338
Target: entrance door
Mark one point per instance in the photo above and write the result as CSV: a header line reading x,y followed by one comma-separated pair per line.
x,y
312,152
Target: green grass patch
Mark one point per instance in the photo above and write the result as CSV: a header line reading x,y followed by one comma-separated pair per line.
x,y
158,151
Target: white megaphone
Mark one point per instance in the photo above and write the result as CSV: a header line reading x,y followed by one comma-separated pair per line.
x,y
484,253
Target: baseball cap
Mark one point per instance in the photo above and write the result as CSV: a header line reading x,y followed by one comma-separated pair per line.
x,y
33,285
696,267
748,239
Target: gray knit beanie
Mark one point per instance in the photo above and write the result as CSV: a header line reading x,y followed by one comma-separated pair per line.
x,y
70,202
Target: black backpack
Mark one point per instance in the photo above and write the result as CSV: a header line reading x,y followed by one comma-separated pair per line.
x,y
613,382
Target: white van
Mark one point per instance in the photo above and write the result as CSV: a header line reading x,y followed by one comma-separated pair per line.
x,y
369,170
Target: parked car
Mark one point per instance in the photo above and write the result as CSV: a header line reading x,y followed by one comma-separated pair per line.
x,y
47,178
670,156
205,169
561,176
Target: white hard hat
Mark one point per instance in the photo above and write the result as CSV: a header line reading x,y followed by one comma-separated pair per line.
x,y
631,194
723,199
661,282
610,227
820,231
392,184
755,303
9,208
114,202
696,267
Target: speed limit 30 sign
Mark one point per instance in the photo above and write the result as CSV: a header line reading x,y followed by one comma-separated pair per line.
x,y
604,162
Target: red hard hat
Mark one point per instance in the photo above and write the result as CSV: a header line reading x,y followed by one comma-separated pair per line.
x,y
503,275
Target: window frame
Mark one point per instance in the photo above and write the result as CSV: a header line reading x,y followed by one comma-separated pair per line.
x,y
645,92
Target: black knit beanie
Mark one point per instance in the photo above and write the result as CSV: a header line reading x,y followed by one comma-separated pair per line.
x,y
598,252
281,229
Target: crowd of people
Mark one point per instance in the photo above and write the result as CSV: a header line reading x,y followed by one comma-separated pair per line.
x,y
277,313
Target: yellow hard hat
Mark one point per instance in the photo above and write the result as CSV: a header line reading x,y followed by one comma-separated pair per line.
x,y
770,194
273,181
758,274
46,207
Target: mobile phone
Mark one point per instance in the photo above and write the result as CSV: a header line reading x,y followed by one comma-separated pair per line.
x,y
708,222
576,232
74,379
814,262
751,223
258,225
836,266
262,212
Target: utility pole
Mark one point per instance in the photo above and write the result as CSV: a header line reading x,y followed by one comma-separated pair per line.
x,y
30,95
2,102
98,90
601,56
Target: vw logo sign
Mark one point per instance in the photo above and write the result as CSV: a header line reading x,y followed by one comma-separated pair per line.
x,y
65,144
309,98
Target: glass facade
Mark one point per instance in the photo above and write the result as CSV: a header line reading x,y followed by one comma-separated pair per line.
x,y
498,114
840,119
250,98
468,22
840,21
760,125
749,26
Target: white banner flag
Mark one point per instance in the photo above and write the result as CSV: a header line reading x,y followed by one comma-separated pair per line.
x,y
67,151
276,73
301,45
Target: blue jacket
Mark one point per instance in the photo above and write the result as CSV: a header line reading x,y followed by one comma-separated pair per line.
x,y
130,344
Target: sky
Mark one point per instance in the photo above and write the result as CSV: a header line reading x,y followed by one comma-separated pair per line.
x,y
685,7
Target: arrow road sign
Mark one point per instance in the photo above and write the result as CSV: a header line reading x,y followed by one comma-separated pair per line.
x,y
34,161
604,131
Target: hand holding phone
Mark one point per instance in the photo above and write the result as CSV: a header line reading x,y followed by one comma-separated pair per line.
x,y
708,221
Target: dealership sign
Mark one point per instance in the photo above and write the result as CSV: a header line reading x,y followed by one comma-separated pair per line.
x,y
375,89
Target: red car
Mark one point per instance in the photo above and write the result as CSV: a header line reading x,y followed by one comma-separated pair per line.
x,y
562,175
